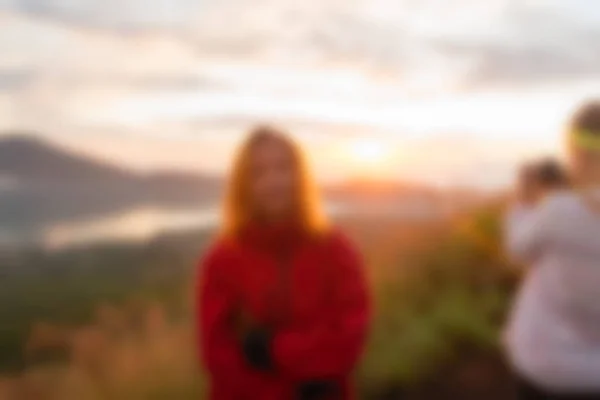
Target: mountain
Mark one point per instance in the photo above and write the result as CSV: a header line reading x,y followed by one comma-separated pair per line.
x,y
26,158
50,184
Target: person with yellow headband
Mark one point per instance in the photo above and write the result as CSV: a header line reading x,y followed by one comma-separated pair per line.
x,y
553,334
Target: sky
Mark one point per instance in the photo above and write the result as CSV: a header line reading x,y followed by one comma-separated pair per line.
x,y
446,91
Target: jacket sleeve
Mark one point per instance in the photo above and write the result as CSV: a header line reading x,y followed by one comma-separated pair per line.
x,y
526,231
332,346
218,347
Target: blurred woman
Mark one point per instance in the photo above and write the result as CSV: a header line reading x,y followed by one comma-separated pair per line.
x,y
553,338
283,305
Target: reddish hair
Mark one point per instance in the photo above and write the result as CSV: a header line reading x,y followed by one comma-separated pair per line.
x,y
237,208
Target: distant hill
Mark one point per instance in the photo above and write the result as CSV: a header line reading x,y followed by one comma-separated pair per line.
x,y
380,189
53,184
27,158
49,184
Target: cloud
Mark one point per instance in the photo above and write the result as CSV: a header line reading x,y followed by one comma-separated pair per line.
x,y
111,14
477,43
395,68
553,42
14,79
468,42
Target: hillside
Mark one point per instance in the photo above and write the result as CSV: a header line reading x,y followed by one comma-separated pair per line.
x,y
51,184
27,158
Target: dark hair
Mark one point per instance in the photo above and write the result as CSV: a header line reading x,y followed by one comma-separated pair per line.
x,y
550,173
587,118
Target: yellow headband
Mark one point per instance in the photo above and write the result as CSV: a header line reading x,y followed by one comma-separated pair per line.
x,y
586,140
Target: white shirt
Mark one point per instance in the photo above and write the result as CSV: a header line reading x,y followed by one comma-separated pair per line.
x,y
553,336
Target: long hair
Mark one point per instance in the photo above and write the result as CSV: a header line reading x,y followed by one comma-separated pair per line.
x,y
584,142
238,210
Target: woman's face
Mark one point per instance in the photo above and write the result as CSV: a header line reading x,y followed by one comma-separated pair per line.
x,y
585,165
272,179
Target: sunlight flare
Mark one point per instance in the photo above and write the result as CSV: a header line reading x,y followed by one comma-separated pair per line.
x,y
369,158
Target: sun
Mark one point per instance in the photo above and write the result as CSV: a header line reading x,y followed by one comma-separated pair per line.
x,y
367,151
369,157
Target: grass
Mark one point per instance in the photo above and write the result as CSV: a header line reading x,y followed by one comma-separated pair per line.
x,y
109,359
441,293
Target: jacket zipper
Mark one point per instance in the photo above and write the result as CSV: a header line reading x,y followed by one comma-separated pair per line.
x,y
284,285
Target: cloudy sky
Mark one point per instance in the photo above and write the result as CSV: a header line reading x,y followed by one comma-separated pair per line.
x,y
452,91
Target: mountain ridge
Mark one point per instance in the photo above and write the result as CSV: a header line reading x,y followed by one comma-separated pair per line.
x,y
25,156
50,184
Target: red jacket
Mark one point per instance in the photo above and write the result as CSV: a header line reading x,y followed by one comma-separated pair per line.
x,y
310,292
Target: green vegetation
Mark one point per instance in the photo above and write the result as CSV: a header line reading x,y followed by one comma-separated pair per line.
x,y
445,312
439,313
66,287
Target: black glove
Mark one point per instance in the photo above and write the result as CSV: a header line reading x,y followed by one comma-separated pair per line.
x,y
318,390
256,346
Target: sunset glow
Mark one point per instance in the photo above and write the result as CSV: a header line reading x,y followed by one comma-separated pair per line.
x,y
369,158
414,77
